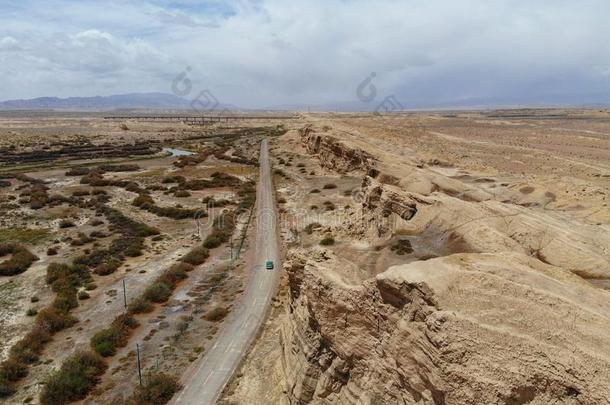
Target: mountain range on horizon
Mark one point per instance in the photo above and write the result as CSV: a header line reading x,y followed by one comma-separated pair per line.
x,y
131,100
170,101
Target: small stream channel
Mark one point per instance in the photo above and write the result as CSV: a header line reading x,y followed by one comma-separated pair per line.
x,y
178,152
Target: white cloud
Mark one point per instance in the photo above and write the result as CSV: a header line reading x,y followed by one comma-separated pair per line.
x,y
276,52
9,44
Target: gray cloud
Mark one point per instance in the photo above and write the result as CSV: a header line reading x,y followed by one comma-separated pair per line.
x,y
9,44
260,53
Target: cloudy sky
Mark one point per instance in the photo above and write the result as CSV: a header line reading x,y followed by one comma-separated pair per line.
x,y
318,52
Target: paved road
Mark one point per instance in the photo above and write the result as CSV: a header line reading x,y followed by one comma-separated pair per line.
x,y
204,384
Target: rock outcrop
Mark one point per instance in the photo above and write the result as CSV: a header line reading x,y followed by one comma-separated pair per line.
x,y
334,154
463,329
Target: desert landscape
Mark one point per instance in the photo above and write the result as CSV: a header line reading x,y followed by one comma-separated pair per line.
x,y
440,258
261,202
450,257
113,235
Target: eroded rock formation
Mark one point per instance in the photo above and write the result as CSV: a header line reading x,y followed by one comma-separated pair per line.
x,y
503,315
454,330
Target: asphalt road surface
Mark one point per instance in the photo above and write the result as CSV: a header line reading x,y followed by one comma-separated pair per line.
x,y
204,384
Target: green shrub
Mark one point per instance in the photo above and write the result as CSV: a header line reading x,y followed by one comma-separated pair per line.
x,y
186,267
38,196
173,179
312,227
247,194
119,168
327,241
161,289
96,222
173,276
52,320
21,259
158,389
80,193
98,234
78,171
140,305
218,180
77,375
329,206
134,187
216,314
146,202
212,241
158,292
6,388
106,341
66,223
12,370
32,312
130,246
31,345
222,229
127,225
108,267
65,300
104,348
83,295
81,240
402,247
143,201
57,271
94,178
196,256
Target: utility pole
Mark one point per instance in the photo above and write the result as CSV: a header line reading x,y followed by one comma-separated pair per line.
x,y
231,250
139,369
124,295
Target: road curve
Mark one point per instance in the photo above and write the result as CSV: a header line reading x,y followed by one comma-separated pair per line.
x,y
205,382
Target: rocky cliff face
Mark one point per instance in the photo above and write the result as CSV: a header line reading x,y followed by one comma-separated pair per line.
x,y
333,154
500,317
453,330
